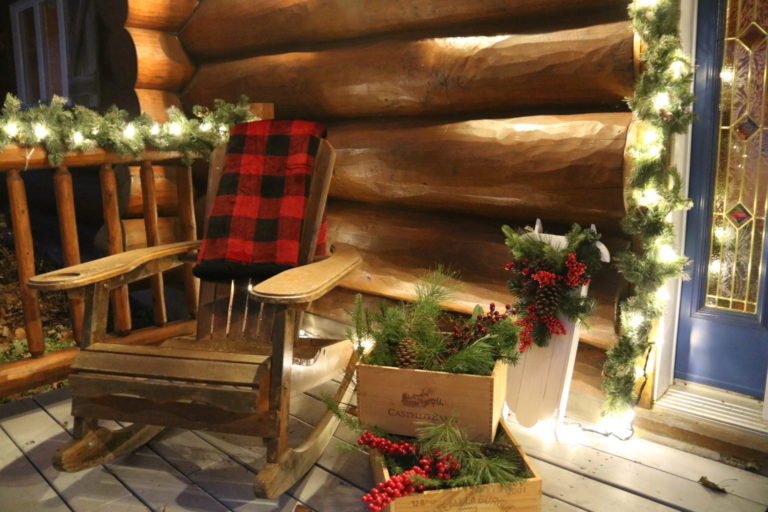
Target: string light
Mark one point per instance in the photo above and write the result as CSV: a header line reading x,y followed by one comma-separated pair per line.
x,y
662,295
635,320
174,129
77,138
11,129
678,69
647,197
667,253
40,131
661,101
714,266
205,127
129,131
155,130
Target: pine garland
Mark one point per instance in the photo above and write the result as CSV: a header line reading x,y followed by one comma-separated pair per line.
x,y
662,101
472,346
61,128
548,281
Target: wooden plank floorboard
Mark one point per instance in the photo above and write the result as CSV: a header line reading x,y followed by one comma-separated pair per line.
x,y
736,481
38,436
670,489
589,494
154,480
21,486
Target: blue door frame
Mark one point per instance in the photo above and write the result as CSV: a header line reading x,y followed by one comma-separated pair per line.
x,y
719,348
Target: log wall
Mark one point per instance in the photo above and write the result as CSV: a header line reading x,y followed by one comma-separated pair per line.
x,y
449,118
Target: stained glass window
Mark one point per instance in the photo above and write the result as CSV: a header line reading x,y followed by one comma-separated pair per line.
x,y
741,183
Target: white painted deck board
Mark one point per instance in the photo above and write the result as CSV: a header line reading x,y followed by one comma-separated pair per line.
x,y
38,436
20,483
687,465
664,487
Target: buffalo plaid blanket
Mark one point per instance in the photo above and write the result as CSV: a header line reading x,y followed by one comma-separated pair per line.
x,y
255,222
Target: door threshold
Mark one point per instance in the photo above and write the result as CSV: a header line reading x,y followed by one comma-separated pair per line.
x,y
715,405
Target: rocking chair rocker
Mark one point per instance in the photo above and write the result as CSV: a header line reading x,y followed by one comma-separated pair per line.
x,y
235,376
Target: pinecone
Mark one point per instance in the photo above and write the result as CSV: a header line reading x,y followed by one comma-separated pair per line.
x,y
406,354
547,300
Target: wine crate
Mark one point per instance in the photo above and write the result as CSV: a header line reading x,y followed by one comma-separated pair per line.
x,y
396,399
522,496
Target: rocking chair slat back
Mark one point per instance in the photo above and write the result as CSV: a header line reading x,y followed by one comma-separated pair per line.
x,y
222,306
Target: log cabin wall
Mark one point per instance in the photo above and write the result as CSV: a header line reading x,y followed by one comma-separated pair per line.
x,y
150,68
449,118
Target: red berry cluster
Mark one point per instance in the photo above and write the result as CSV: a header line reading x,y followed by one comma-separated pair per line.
x,y
443,467
545,278
576,271
463,336
397,486
386,446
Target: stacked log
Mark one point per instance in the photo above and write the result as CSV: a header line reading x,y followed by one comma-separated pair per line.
x,y
449,119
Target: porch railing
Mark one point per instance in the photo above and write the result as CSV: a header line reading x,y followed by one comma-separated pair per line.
x,y
44,367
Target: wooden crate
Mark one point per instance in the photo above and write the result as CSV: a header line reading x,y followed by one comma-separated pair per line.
x,y
519,497
396,399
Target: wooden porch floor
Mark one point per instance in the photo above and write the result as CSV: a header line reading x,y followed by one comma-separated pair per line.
x,y
203,472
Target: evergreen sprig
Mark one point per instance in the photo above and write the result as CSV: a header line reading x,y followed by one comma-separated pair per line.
x,y
472,347
60,128
662,102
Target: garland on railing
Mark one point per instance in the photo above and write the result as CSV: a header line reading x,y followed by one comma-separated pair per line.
x,y
61,128
662,103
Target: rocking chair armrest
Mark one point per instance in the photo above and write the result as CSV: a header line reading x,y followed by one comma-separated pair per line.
x,y
116,269
309,282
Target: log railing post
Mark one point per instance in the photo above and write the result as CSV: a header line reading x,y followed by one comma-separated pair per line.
x,y
121,309
25,261
149,199
65,206
186,202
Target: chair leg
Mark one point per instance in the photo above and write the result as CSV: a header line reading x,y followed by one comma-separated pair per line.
x,y
283,334
100,445
276,478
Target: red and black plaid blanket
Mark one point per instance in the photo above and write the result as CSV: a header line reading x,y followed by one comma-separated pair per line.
x,y
255,222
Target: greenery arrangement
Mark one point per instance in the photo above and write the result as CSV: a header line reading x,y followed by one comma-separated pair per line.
x,y
662,101
420,334
61,128
548,280
440,457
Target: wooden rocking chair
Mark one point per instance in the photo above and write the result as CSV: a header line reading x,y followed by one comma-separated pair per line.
x,y
236,375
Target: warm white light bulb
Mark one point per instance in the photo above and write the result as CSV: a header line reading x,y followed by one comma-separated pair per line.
x,y
639,372
714,267
174,129
635,320
648,197
130,131
661,101
651,135
11,129
223,129
667,253
662,295
678,68
40,131
155,129
726,75
77,138
205,127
